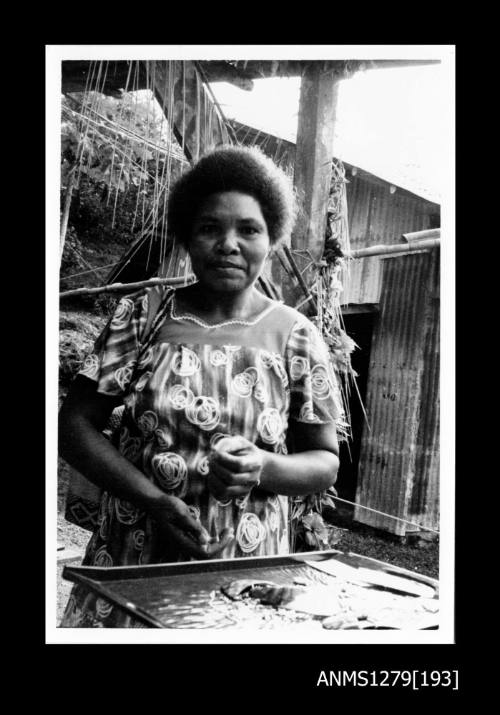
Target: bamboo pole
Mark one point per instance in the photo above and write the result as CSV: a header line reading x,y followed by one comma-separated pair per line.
x,y
420,235
124,287
387,250
67,206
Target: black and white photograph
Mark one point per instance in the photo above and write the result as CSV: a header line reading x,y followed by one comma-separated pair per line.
x,y
250,344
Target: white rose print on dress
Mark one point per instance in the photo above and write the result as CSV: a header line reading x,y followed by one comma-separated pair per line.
x,y
103,608
147,423
204,412
241,502
103,508
129,446
250,532
90,367
218,358
110,503
247,382
146,358
123,313
130,402
170,469
127,513
185,362
274,361
138,539
307,413
104,528
298,367
242,384
102,558
203,467
260,393
320,382
142,381
180,397
163,438
253,374
123,375
270,425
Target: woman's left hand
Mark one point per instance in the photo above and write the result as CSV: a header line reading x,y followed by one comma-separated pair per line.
x,y
235,468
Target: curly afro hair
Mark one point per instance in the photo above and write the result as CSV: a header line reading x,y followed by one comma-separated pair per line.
x,y
229,168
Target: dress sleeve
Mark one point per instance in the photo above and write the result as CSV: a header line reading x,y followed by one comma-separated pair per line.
x,y
113,359
314,392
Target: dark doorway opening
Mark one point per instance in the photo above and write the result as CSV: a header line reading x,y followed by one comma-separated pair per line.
x,y
359,326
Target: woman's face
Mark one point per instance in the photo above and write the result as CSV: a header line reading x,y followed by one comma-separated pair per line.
x,y
229,242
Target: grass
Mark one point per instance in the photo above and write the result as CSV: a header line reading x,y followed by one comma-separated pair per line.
x,y
418,558
415,552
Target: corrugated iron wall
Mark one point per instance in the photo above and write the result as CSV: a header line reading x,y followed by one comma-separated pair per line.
x,y
398,468
378,217
424,500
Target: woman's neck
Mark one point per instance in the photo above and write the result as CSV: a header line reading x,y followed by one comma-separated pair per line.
x,y
217,307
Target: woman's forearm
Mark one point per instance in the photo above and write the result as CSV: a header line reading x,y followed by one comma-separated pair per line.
x,y
299,474
87,450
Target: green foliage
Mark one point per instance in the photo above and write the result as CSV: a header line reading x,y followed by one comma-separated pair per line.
x,y
116,151
115,142
308,529
93,218
72,261
77,333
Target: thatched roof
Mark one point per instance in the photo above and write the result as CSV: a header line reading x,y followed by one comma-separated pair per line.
x,y
238,72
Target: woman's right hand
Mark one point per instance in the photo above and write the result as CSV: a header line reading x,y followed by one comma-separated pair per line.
x,y
178,527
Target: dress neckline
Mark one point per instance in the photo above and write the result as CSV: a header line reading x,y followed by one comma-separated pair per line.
x,y
212,326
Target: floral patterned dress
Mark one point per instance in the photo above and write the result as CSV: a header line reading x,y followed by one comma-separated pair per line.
x,y
191,387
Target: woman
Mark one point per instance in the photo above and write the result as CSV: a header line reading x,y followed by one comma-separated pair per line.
x,y
226,382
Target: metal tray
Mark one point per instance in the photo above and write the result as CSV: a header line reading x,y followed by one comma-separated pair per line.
x,y
188,595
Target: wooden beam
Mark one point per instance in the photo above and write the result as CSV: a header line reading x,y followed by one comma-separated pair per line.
x,y
255,69
391,64
359,308
197,122
313,171
223,71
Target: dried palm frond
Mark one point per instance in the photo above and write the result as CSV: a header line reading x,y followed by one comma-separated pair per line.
x,y
327,290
